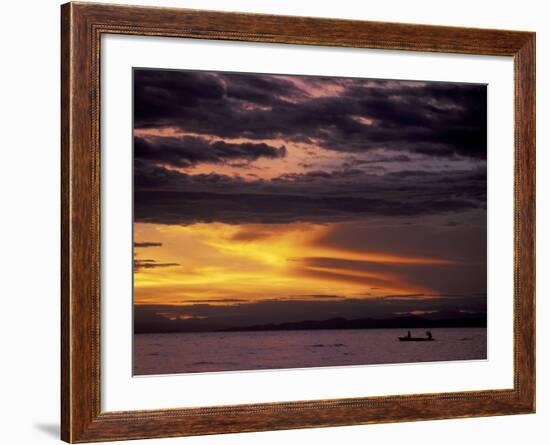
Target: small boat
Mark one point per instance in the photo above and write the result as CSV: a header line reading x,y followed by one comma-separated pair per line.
x,y
416,339
408,337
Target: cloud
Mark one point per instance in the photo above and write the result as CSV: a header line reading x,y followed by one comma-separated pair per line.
x,y
147,244
321,296
411,128
382,159
186,151
432,118
163,196
214,300
150,264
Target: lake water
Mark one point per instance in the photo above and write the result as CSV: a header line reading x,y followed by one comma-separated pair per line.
x,y
237,351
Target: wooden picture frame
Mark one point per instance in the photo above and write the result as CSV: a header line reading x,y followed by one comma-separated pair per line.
x,y
82,26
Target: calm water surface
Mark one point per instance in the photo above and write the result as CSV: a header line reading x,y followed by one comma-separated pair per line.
x,y
236,351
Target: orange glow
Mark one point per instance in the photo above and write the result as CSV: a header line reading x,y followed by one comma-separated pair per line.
x,y
253,262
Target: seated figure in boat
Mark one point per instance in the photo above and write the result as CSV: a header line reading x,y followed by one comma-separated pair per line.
x,y
429,334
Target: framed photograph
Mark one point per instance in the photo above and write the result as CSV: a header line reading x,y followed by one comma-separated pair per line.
x,y
275,222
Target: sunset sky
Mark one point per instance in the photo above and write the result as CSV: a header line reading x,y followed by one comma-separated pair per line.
x,y
270,198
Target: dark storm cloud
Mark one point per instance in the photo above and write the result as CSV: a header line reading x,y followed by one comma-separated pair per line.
x,y
382,159
259,89
401,121
196,317
168,197
187,208
186,151
435,119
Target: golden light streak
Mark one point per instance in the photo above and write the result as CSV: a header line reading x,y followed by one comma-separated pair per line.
x,y
254,262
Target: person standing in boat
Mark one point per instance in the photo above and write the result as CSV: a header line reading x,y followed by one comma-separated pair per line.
x,y
409,334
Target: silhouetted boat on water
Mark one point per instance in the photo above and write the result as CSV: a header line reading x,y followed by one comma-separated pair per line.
x,y
408,337
415,339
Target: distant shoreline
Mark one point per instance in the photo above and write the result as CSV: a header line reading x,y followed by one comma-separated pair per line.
x,y
412,322
306,330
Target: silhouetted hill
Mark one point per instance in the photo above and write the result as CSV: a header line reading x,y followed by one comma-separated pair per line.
x,y
452,319
368,323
